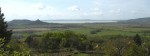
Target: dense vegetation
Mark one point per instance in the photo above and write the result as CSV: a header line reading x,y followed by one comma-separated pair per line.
x,y
88,39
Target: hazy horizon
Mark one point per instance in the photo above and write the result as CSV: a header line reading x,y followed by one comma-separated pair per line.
x,y
75,9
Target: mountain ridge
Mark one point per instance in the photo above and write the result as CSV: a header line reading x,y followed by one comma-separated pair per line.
x,y
145,20
27,22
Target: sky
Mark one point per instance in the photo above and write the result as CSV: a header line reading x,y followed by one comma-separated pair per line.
x,y
75,9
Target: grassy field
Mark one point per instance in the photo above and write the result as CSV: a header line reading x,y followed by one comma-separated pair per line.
x,y
106,29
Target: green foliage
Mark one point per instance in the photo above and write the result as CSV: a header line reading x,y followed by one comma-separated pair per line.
x,y
116,46
136,50
23,53
29,41
17,45
110,49
15,52
60,40
96,31
147,47
137,40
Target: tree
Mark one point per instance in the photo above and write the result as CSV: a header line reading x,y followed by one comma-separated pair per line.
x,y
116,46
19,49
136,50
121,45
29,40
147,47
109,48
54,41
4,32
137,40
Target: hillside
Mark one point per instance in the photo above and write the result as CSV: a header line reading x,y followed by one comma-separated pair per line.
x,y
137,21
19,22
26,22
38,22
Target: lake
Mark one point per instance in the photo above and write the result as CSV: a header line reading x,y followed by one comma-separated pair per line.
x,y
80,21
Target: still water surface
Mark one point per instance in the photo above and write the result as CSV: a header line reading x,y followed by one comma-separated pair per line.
x,y
80,21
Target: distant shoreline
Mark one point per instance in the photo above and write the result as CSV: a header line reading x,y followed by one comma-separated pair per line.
x,y
80,21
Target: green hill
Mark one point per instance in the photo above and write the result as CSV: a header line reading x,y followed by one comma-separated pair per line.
x,y
137,21
19,22
26,22
38,22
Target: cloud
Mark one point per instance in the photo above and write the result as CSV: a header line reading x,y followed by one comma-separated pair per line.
x,y
42,6
133,12
96,9
115,12
97,13
23,10
74,8
39,6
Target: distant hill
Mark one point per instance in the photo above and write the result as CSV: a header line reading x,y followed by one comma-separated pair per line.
x,y
19,22
38,22
26,22
137,21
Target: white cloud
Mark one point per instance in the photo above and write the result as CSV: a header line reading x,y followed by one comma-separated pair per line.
x,y
115,11
39,6
74,8
42,9
96,9
97,2
22,10
97,13
133,12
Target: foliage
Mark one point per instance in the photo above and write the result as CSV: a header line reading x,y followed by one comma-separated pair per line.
x,y
15,52
66,39
147,47
29,41
136,50
137,40
96,31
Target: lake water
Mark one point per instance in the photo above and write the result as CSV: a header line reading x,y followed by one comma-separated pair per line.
x,y
80,21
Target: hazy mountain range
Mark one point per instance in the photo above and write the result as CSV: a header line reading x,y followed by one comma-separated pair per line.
x,y
137,21
38,22
27,22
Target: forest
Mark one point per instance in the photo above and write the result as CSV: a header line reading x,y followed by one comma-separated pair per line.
x,y
73,39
